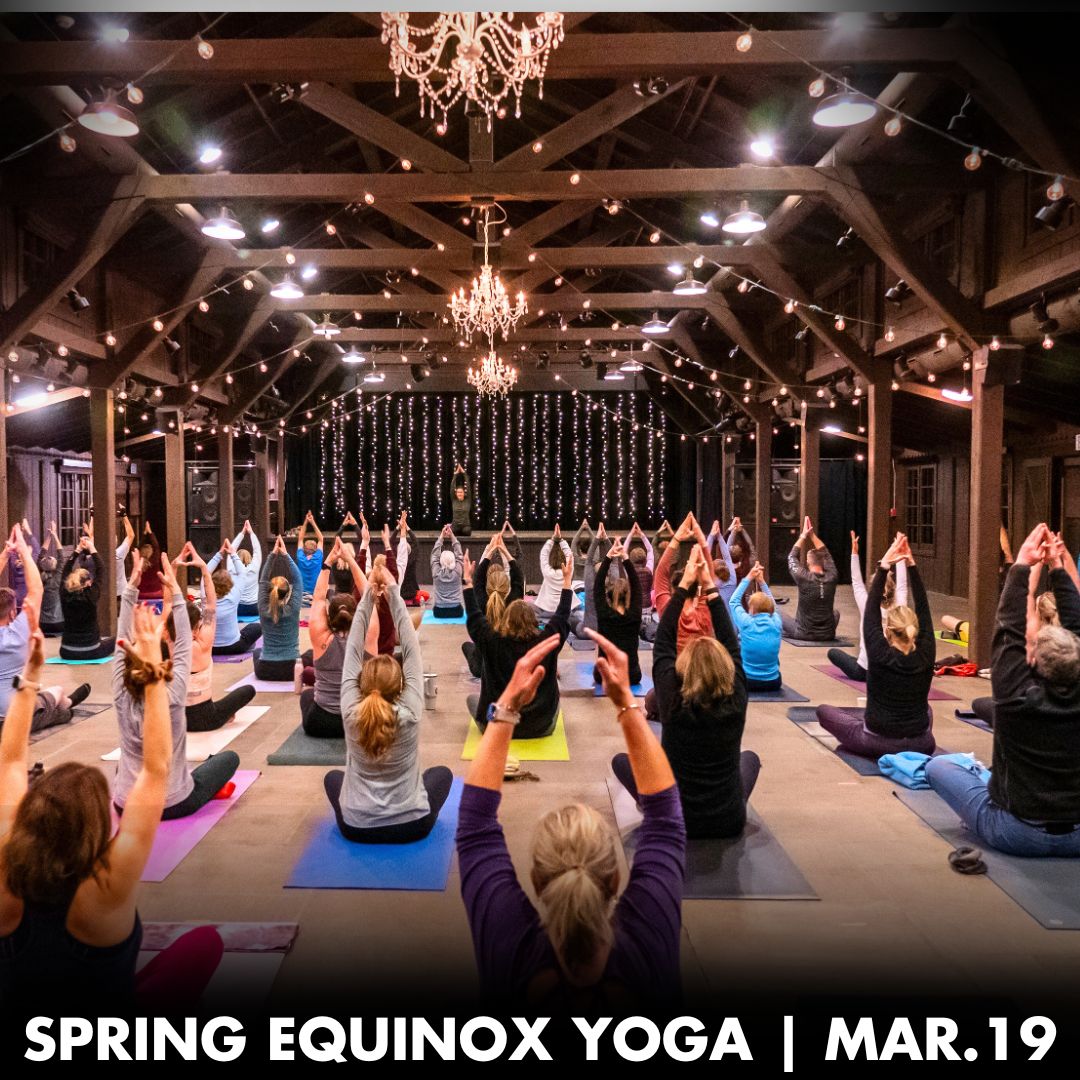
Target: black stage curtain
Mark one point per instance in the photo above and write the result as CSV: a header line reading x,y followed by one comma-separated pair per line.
x,y
842,510
536,458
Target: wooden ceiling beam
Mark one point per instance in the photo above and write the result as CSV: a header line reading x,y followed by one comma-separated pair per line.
x,y
583,128
72,265
242,400
447,335
567,303
375,127
580,56
392,191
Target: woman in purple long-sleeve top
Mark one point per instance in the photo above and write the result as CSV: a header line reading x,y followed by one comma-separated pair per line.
x,y
583,947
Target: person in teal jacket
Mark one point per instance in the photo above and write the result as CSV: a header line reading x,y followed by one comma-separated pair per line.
x,y
759,632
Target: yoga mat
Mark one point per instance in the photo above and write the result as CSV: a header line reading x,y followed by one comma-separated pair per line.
x,y
806,718
176,840
301,749
232,658
785,693
969,717
552,747
839,676
240,976
202,744
1047,889
430,620
261,686
247,937
942,636
581,644
81,712
753,867
329,861
247,618
81,663
835,643
576,680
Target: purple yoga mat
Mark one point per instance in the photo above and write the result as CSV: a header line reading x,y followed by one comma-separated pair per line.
x,y
232,658
839,676
176,840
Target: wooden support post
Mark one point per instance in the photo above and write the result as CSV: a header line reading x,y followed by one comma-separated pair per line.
x,y
261,524
281,452
809,465
763,437
987,437
879,499
226,494
103,454
176,486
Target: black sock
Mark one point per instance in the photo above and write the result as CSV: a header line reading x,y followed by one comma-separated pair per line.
x,y
80,694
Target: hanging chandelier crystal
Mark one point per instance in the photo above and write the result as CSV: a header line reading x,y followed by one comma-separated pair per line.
x,y
486,309
491,375
479,55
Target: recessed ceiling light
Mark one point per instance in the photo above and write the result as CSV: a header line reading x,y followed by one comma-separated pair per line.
x,y
209,155
763,147
270,225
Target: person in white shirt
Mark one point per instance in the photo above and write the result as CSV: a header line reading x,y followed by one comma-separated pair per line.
x,y
247,579
553,557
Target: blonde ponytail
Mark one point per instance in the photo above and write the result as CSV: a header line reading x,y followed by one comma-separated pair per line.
x,y
902,627
278,598
575,872
498,589
376,717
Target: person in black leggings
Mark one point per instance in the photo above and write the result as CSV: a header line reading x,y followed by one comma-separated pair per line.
x,y
437,781
618,609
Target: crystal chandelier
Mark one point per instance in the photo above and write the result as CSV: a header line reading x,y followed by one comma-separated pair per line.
x,y
491,375
478,55
486,309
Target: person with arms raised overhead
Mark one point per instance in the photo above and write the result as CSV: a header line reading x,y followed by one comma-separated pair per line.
x,y
309,555
582,948
1031,804
555,555
69,927
52,705
498,581
759,629
814,572
279,614
446,567
461,501
617,601
701,700
901,654
79,592
247,579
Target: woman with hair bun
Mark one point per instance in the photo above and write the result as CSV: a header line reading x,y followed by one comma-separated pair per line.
x,y
901,655
582,947
329,625
280,597
501,582
382,797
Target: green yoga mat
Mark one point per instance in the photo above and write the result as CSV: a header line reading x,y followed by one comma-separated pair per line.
x,y
301,749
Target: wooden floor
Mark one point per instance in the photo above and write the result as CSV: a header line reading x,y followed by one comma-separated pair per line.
x,y
888,900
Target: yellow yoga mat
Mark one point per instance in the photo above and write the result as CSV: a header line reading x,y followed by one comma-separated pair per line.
x,y
552,747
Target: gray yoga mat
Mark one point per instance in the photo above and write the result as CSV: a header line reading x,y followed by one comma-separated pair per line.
x,y
968,717
754,867
835,643
806,717
581,644
79,714
785,693
301,749
1047,889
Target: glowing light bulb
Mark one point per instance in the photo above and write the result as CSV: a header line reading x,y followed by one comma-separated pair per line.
x,y
204,48
890,334
994,343
62,350
817,87
840,324
369,198
158,326
1047,342
67,143
263,368
1056,190
789,307
406,164
331,229
110,339
821,391
229,379
893,126
575,178
204,307
654,237
744,42
942,340
747,385
290,258
537,146
894,385
973,159
194,387
249,284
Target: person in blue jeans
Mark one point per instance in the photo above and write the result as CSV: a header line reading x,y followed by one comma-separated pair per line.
x,y
760,631
1031,804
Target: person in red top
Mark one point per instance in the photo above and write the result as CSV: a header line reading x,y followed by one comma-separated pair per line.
x,y
150,582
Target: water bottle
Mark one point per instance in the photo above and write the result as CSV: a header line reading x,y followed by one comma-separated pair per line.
x,y
298,676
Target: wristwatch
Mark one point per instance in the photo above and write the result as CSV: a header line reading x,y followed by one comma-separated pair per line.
x,y
20,683
499,714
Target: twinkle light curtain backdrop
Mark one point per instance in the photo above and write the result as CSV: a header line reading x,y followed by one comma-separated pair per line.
x,y
536,458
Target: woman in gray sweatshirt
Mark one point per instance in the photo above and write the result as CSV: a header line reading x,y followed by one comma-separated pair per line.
x,y
187,789
446,566
382,797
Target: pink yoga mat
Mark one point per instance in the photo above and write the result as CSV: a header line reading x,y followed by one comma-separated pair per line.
x,y
176,840
839,676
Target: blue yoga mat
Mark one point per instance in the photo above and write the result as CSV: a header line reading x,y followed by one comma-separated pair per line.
x,y
77,663
576,680
430,620
330,861
247,618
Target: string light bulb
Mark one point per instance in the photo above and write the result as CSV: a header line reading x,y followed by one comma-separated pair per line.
x,y
995,344
249,284
575,179
893,126
789,307
890,334
158,326
745,41
62,350
973,159
110,339
1047,342
840,323
203,47
1056,191
204,307
67,143
942,341
816,87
